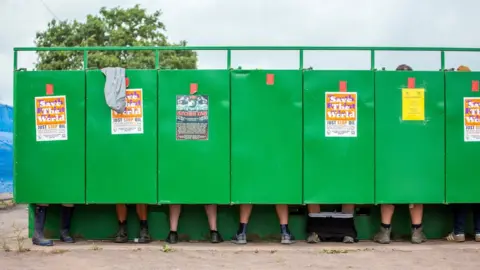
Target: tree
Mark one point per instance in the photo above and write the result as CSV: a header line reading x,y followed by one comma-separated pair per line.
x,y
111,27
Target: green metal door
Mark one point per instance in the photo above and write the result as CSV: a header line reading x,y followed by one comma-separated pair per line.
x,y
49,149
463,136
338,137
409,137
194,136
122,149
266,136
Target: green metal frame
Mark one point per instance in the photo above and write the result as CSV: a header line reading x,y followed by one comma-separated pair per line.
x,y
229,50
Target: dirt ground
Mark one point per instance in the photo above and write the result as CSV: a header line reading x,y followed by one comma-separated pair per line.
x,y
436,255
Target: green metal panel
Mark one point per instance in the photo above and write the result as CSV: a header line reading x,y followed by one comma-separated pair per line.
x,y
410,155
194,141
121,168
339,166
266,137
49,167
462,136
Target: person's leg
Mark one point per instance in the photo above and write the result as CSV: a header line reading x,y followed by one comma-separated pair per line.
x,y
476,221
175,211
66,219
241,236
40,217
416,214
122,236
211,211
459,216
312,237
282,213
142,213
348,209
383,236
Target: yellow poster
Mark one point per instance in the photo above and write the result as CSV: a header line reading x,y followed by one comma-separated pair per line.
x,y
413,104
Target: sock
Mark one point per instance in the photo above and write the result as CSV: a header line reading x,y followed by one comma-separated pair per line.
x,y
416,226
385,226
284,229
213,230
242,228
143,224
123,223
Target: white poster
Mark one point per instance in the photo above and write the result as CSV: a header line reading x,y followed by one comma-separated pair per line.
x,y
51,118
131,120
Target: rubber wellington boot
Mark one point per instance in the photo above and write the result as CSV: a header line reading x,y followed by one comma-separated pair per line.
x,y
67,213
40,217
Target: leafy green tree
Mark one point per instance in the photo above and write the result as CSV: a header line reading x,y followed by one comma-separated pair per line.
x,y
111,27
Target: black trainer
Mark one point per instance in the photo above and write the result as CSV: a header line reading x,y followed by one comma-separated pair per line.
x,y
144,236
172,238
215,237
122,236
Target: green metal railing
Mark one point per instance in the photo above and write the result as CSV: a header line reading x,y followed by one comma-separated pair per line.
x,y
229,50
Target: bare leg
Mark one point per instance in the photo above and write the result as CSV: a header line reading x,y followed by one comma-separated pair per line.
x,y
416,214
313,208
142,212
383,236
282,213
211,210
241,236
245,212
121,212
175,210
348,208
387,211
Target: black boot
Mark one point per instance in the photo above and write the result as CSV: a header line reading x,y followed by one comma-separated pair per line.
x,y
122,236
67,213
40,217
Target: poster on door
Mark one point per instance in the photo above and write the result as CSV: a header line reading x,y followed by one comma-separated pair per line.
x,y
131,120
192,117
471,119
51,118
341,114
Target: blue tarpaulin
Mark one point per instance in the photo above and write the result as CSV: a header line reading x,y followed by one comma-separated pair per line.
x,y
6,149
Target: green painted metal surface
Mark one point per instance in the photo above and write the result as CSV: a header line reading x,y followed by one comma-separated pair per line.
x,y
266,136
462,136
410,155
49,163
121,168
98,222
339,166
194,141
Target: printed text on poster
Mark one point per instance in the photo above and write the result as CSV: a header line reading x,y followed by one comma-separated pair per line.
x,y
341,114
471,119
192,117
131,120
413,104
51,118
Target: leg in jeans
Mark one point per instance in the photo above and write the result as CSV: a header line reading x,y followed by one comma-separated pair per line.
x,y
211,210
282,213
383,236
241,236
175,211
416,214
459,216
40,218
66,218
476,221
142,213
122,236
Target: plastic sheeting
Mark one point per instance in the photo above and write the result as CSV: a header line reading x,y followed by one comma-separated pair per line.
x,y
6,149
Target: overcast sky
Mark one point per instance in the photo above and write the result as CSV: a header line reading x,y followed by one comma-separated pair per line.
x,y
438,23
